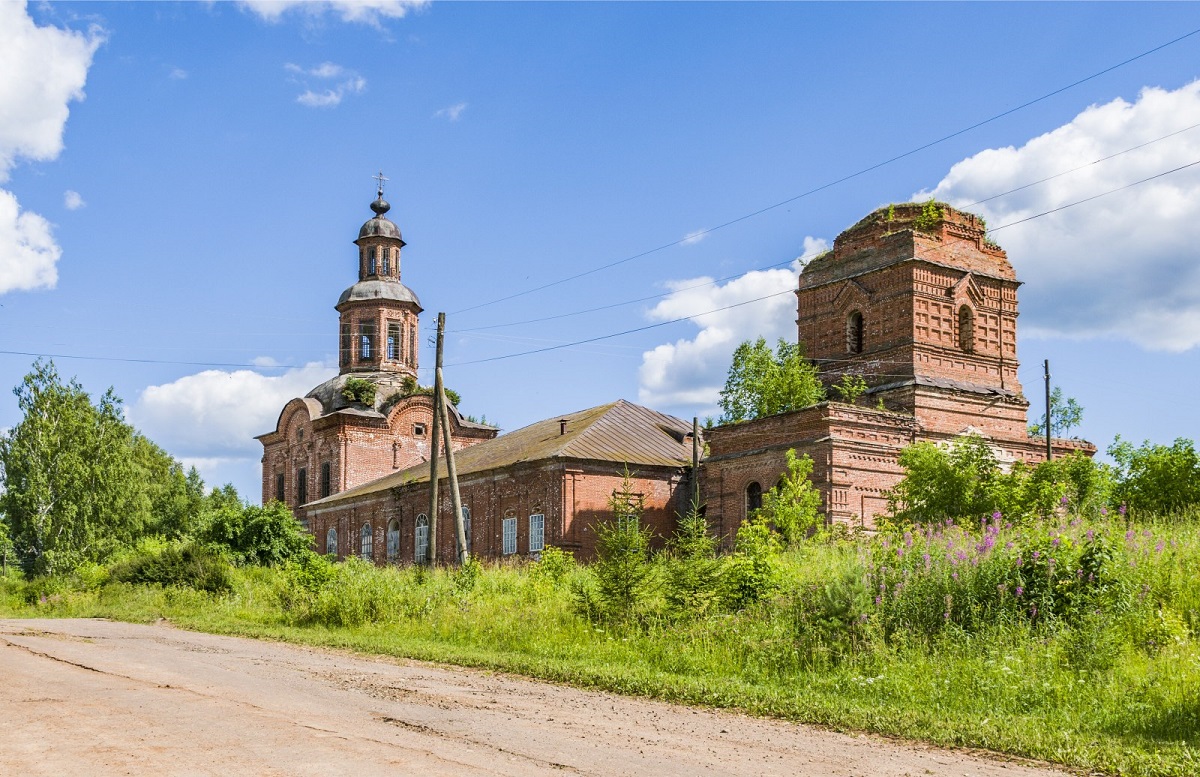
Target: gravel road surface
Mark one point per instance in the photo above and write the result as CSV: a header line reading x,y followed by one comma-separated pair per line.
x,y
94,697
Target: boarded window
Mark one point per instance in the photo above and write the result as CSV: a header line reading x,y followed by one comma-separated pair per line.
x,y
366,339
393,540
301,486
509,536
331,542
347,344
367,541
854,333
467,524
393,341
537,533
421,536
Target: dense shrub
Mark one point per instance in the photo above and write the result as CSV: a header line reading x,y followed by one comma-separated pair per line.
x,y
693,579
1162,479
187,565
623,573
267,535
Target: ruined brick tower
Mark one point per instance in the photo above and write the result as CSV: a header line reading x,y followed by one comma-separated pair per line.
x,y
338,436
915,300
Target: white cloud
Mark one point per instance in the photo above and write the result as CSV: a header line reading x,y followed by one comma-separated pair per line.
x,y
264,361
1121,266
451,113
691,238
348,82
177,74
42,69
72,200
691,372
361,11
215,414
28,253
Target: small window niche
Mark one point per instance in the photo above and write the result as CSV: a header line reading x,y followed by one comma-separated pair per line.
x,y
854,332
966,329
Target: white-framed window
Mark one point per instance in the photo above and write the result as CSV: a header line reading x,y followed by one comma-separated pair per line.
x,y
371,263
387,262
331,542
509,535
421,535
393,540
367,545
537,533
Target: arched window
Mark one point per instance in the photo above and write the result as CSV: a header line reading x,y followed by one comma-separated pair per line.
x,y
421,551
331,542
854,333
301,486
753,497
393,540
326,479
371,262
966,329
367,545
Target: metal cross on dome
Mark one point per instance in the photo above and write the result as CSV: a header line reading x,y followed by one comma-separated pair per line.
x,y
380,178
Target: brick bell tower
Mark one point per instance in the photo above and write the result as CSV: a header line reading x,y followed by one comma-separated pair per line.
x,y
916,300
378,315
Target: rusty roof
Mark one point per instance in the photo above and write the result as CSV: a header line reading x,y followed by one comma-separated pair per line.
x,y
619,432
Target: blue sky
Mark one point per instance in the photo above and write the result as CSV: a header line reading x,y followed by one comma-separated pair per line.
x,y
181,182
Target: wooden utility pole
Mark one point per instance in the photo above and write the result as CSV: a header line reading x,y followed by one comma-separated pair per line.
x,y
695,464
433,442
1049,446
460,531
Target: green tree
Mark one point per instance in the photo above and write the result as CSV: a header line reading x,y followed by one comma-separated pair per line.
x,y
1157,478
622,568
938,484
753,572
72,486
176,497
850,388
793,506
694,573
266,536
1065,415
761,383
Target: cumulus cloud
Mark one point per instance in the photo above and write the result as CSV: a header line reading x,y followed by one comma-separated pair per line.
x,y
691,371
370,12
72,200
450,113
215,414
42,69
28,254
346,82
1123,265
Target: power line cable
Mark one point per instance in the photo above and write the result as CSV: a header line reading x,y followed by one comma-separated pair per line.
x,y
808,256
789,291
693,236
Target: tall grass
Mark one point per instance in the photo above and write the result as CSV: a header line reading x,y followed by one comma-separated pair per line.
x,y
1069,640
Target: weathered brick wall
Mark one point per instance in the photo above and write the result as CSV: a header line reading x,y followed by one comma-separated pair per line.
x,y
572,497
358,448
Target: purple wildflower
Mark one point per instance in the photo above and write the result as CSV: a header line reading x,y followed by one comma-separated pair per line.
x,y
1091,535
1020,590
996,516
1122,509
1104,511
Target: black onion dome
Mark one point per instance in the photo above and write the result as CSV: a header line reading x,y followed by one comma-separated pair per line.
x,y
380,225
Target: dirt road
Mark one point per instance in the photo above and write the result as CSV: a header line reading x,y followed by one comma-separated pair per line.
x,y
100,698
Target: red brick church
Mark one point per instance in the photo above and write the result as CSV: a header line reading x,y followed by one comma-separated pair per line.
x,y
913,298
